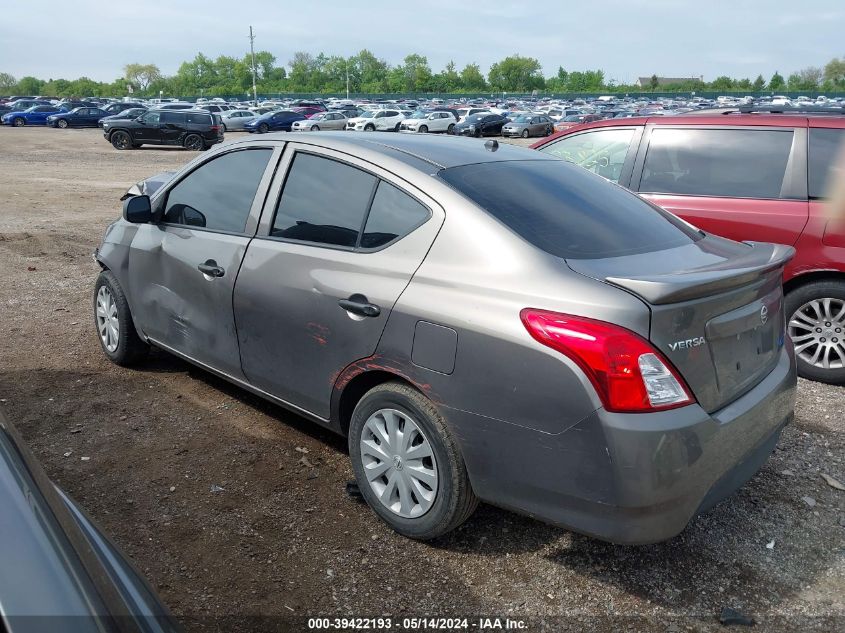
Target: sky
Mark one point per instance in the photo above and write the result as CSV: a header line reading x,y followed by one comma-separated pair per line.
x,y
625,38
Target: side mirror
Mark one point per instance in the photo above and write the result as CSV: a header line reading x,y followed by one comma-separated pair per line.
x,y
137,210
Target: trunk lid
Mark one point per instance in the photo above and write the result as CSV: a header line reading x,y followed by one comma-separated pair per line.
x,y
716,309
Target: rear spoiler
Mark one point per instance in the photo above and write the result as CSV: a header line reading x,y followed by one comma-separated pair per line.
x,y
678,286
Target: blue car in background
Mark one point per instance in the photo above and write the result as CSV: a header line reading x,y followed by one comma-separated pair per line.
x,y
274,122
36,115
78,117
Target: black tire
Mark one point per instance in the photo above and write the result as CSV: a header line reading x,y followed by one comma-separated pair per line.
x,y
19,121
477,133
450,129
263,128
548,131
795,299
62,123
130,348
224,128
455,500
194,143
398,127
120,140
423,129
315,128
526,133
369,127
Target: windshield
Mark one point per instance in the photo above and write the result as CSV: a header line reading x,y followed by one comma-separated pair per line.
x,y
367,115
418,114
475,118
567,211
522,118
318,117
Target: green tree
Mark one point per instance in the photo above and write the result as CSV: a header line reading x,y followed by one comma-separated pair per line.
x,y
834,71
811,77
654,82
759,84
30,86
448,80
516,74
141,75
7,82
414,74
776,82
471,78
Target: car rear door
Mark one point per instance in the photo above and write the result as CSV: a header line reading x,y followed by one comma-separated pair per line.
x,y
741,182
182,268
173,126
315,290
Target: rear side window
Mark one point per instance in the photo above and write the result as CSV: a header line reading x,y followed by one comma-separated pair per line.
x,y
566,211
173,117
826,146
196,118
324,201
393,214
710,162
218,195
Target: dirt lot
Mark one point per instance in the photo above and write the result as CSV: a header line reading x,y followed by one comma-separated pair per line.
x,y
283,539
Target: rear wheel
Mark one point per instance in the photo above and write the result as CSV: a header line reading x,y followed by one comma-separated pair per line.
x,y
423,129
62,123
407,464
816,325
113,321
120,140
398,125
19,122
194,143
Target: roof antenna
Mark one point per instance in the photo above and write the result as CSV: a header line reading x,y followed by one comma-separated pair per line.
x,y
492,145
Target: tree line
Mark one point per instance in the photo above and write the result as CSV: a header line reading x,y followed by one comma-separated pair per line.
x,y
365,73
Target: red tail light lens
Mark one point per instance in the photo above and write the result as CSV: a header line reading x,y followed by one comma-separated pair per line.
x,y
628,373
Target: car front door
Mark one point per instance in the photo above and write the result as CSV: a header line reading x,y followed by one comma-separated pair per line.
x,y
315,291
182,269
741,183
149,130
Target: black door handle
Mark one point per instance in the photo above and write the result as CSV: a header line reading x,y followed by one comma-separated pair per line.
x,y
211,269
358,304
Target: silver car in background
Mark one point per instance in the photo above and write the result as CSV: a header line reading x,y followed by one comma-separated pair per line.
x,y
234,120
321,121
482,321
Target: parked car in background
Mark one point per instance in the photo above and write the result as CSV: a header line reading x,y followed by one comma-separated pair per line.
x,y
194,130
36,115
278,121
236,119
308,111
481,124
526,125
78,117
321,121
122,106
372,308
463,113
71,577
575,119
423,121
131,113
174,106
386,120
20,105
754,176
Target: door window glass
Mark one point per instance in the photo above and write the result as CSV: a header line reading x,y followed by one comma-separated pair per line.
x,y
324,201
602,151
219,194
826,146
393,214
710,162
151,118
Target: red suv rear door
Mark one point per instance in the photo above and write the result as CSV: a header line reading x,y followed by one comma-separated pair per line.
x,y
741,182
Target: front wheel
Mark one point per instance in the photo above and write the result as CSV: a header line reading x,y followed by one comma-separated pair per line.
x,y
369,127
19,122
263,128
193,142
113,321
315,128
62,123
525,133
407,464
423,129
816,325
120,140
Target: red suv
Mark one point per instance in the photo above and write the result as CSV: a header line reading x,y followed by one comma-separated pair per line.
x,y
746,176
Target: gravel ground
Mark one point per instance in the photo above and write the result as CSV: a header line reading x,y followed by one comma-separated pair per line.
x,y
283,539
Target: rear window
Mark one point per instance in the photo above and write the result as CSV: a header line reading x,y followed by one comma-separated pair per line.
x,y
566,211
826,146
713,162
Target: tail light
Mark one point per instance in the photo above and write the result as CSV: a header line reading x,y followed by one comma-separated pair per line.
x,y
215,128
628,373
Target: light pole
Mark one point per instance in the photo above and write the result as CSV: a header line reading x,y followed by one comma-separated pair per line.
x,y
252,50
347,79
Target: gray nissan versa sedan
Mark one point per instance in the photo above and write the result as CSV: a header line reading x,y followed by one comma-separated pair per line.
x,y
484,322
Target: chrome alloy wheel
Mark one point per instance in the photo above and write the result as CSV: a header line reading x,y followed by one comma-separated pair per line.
x,y
399,463
108,324
818,330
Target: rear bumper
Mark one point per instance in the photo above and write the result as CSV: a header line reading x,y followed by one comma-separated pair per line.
x,y
629,478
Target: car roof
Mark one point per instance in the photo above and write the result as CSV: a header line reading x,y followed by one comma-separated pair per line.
x,y
422,151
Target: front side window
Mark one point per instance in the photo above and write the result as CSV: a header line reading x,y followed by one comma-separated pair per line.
x,y
324,201
218,195
826,146
712,162
151,118
603,152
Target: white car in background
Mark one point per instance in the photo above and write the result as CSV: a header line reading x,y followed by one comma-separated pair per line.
x,y
463,113
386,120
422,121
321,121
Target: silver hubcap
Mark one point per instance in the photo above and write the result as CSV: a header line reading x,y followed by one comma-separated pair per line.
x,y
818,330
107,322
399,463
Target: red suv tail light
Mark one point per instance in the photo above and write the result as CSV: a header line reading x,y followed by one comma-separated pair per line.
x,y
628,373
